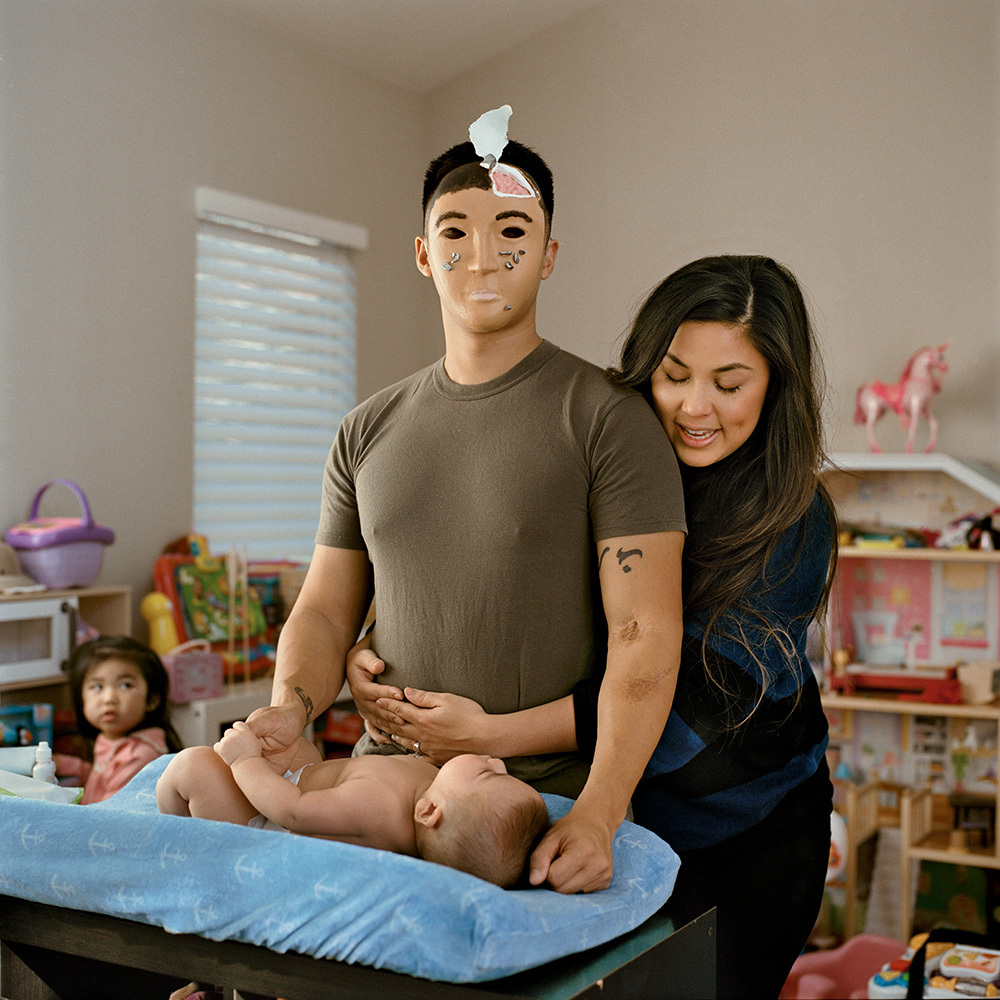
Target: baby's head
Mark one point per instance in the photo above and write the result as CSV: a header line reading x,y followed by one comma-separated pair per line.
x,y
479,819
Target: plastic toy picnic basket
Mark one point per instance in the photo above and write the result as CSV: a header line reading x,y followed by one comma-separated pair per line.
x,y
60,552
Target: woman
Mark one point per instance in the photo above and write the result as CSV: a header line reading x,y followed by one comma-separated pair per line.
x,y
738,785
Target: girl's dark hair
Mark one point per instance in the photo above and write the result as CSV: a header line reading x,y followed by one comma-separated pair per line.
x,y
739,508
123,647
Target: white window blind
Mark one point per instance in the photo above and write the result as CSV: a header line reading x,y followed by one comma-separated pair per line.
x,y
274,375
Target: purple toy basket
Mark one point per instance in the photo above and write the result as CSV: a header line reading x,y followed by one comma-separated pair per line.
x,y
60,552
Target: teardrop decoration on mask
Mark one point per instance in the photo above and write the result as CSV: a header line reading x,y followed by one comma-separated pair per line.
x,y
505,308
455,258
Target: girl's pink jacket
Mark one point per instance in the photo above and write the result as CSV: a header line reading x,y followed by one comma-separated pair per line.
x,y
116,762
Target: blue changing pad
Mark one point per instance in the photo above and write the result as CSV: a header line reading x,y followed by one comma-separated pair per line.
x,y
321,898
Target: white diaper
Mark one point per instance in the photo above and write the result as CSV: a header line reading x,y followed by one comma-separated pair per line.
x,y
261,822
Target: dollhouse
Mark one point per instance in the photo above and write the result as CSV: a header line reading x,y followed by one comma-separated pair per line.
x,y
911,658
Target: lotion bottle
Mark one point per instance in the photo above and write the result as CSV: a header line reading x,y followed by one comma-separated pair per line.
x,y
45,768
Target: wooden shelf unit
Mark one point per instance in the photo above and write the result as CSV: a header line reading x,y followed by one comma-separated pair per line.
x,y
913,491
923,555
106,608
922,841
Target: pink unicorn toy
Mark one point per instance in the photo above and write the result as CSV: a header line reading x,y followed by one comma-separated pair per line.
x,y
910,397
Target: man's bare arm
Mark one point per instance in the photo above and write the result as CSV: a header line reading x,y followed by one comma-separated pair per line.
x,y
322,627
641,591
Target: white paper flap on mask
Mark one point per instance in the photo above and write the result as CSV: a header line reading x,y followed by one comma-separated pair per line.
x,y
488,134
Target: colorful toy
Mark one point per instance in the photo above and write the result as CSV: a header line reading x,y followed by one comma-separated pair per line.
x,y
25,725
971,531
211,599
950,970
60,552
893,979
843,971
157,610
195,672
934,685
839,846
910,397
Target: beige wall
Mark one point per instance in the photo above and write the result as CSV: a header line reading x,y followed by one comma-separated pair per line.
x,y
857,142
113,113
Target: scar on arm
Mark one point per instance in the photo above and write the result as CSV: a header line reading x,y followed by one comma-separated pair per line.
x,y
634,688
638,689
628,632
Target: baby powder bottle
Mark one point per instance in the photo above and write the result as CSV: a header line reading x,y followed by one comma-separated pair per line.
x,y
45,768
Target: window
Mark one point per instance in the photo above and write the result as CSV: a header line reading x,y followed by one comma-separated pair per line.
x,y
274,370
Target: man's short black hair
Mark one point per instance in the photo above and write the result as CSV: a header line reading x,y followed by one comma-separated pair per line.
x,y
515,154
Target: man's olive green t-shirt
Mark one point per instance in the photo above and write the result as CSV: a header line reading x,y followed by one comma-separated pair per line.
x,y
480,507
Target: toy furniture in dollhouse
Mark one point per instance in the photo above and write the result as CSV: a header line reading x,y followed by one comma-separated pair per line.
x,y
975,814
910,615
860,811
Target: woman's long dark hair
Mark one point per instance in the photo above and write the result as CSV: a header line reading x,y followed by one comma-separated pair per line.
x,y
122,647
739,508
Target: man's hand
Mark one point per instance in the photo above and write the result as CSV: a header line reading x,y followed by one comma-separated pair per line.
x,y
575,855
278,730
363,667
237,744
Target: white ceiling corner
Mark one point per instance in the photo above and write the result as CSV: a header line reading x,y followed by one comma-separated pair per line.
x,y
417,45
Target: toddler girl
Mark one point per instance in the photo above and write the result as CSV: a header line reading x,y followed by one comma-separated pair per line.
x,y
119,689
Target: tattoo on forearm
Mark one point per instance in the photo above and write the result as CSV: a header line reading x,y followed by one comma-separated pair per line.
x,y
600,560
623,555
307,703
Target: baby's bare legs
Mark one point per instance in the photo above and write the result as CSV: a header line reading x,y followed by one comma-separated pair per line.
x,y
198,782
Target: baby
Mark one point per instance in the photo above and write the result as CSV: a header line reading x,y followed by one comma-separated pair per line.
x,y
469,814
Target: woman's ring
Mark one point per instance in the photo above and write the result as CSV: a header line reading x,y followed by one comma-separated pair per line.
x,y
416,748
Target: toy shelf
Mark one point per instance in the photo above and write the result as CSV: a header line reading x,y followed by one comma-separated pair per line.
x,y
923,555
977,476
917,595
108,609
860,703
910,491
921,840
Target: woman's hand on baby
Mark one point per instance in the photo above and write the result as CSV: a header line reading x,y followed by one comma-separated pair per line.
x,y
376,734
444,725
363,667
238,744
